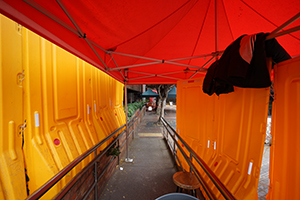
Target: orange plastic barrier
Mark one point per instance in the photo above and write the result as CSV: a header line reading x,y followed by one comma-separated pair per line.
x,y
54,107
12,123
227,132
285,129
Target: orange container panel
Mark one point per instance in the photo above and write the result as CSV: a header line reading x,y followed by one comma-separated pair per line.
x,y
51,104
285,153
12,125
117,105
227,132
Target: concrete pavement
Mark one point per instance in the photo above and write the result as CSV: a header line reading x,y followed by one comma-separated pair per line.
x,y
150,174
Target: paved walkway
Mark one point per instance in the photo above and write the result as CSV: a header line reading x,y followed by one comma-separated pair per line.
x,y
150,174
263,185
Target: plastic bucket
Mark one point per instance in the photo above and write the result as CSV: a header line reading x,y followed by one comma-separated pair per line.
x,y
176,196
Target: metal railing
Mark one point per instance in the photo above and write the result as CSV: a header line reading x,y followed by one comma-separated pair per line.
x,y
175,146
47,186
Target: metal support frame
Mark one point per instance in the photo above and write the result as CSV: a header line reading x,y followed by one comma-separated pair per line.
x,y
81,33
127,159
291,30
216,26
157,61
113,59
77,30
288,22
203,66
154,75
50,15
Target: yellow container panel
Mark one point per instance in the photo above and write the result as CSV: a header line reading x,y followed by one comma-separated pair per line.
x,y
87,104
284,153
38,156
57,102
227,132
12,125
99,120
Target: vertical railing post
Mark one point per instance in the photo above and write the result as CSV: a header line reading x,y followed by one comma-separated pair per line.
x,y
96,177
191,159
174,145
119,154
127,159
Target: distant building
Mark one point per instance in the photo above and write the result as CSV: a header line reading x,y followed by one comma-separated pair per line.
x,y
134,93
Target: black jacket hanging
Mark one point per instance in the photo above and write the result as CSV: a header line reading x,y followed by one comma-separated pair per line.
x,y
243,64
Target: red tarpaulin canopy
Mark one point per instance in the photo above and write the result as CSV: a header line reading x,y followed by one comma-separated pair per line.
x,y
153,41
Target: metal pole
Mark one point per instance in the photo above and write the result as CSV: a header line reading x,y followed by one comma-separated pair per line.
x,y
297,16
216,27
96,178
281,33
147,58
127,159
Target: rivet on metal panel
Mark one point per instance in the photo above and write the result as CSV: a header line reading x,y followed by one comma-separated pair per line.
x,y
52,128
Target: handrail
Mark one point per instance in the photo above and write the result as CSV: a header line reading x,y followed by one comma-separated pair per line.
x,y
49,184
219,185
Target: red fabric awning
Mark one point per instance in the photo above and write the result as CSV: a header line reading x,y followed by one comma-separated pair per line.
x,y
152,42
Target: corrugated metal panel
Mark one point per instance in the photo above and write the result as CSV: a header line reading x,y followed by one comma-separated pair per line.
x,y
285,153
227,132
64,103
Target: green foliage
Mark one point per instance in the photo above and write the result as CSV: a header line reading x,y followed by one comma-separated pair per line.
x,y
114,151
132,107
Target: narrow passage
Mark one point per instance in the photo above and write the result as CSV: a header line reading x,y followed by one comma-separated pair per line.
x,y
150,174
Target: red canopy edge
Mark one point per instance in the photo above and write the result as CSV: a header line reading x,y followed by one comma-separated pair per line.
x,y
61,28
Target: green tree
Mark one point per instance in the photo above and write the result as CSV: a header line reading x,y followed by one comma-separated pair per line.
x,y
163,91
